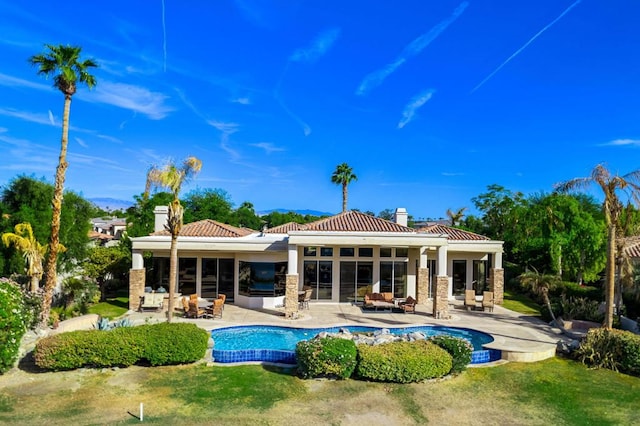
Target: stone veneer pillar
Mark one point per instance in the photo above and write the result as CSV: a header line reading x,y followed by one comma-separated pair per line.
x,y
422,290
291,297
136,287
441,298
496,284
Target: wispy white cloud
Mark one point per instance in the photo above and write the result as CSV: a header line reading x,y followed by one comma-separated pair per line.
x,y
109,138
268,147
319,46
127,96
376,78
524,46
9,81
622,142
51,119
243,101
450,174
416,103
27,116
81,142
225,127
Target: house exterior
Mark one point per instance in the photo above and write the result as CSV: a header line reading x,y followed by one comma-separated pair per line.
x,y
341,258
107,231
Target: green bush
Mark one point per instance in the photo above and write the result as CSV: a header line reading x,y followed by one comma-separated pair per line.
x,y
580,308
157,344
13,322
571,289
403,362
460,350
167,344
326,357
613,349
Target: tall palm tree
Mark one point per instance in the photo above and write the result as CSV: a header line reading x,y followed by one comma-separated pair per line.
x,y
172,177
343,175
64,65
611,185
455,217
540,284
32,251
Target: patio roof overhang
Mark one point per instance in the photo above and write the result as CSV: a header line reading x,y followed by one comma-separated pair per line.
x,y
250,243
392,239
486,246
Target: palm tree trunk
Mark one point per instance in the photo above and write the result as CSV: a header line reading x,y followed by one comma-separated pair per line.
x,y
173,274
54,242
344,197
34,283
610,278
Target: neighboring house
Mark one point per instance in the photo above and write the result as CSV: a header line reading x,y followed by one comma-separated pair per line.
x,y
107,231
341,258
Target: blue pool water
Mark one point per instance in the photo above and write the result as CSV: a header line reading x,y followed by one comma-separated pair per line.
x,y
278,344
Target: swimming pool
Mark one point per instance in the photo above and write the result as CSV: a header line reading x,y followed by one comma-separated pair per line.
x,y
277,344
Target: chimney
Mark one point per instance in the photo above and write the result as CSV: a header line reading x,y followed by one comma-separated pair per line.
x,y
160,213
400,216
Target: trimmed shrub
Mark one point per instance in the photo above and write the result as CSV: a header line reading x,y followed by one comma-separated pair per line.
x,y
613,349
326,357
402,362
157,344
167,344
460,350
13,323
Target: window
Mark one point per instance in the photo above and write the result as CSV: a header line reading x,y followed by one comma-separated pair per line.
x,y
262,279
326,251
385,251
356,279
187,275
402,252
480,276
309,251
217,278
318,276
365,252
347,251
459,276
393,278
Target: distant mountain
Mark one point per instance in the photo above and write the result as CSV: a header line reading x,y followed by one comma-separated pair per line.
x,y
302,212
110,204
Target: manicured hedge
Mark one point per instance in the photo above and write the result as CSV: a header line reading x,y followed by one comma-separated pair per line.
x,y
460,350
326,357
156,344
402,362
613,349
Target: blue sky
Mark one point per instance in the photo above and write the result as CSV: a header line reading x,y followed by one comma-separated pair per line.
x,y
428,101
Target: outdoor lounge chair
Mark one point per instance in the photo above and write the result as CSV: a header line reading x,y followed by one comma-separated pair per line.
x,y
487,301
222,297
185,306
152,301
470,299
304,298
408,306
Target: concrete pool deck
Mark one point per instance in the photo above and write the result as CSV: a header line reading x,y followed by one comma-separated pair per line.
x,y
521,338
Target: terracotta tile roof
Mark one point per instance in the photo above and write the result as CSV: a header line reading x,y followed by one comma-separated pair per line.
x,y
453,233
353,221
210,228
95,235
285,228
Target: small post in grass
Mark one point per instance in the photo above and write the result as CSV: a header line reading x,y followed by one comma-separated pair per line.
x,y
141,411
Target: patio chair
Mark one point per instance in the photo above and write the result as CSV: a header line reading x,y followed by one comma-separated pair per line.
x,y
152,301
304,298
487,301
194,310
408,306
470,299
222,297
185,306
216,309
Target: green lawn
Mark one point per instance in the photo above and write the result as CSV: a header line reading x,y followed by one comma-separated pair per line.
x,y
555,391
111,308
520,303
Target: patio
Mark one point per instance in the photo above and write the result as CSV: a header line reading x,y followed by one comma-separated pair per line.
x,y
520,338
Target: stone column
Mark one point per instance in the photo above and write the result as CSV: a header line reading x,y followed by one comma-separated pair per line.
x,y
291,297
441,298
422,288
136,287
496,284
